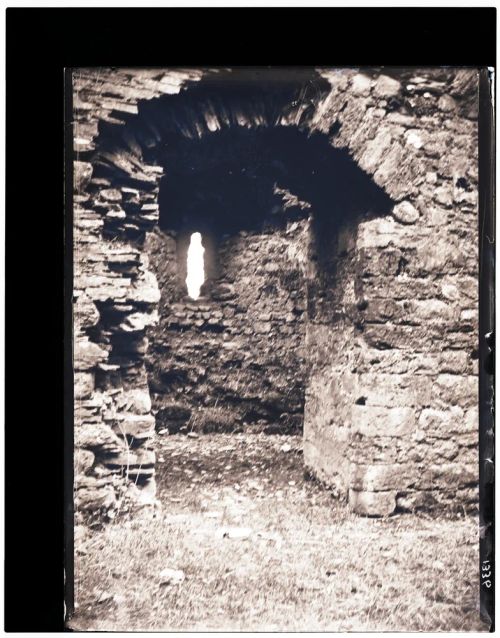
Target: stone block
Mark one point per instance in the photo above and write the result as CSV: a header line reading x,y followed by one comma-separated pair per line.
x,y
435,310
396,161
447,103
452,389
386,86
130,458
83,385
375,150
454,362
413,501
448,476
441,255
392,390
471,420
93,499
138,426
263,327
376,478
137,321
372,503
88,354
371,421
84,460
82,172
415,138
97,437
441,423
110,195
114,215
361,84
145,290
135,400
444,195
376,233
405,213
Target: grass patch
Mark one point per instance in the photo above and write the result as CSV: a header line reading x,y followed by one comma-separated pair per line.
x,y
306,563
208,420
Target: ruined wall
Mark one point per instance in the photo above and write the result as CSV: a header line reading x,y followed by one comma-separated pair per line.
x,y
114,294
239,348
393,350
407,416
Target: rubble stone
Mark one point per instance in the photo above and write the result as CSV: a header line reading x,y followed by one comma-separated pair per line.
x,y
405,213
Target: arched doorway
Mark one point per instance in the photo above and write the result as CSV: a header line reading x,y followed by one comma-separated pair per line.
x,y
357,273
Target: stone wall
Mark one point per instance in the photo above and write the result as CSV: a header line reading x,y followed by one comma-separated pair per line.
x,y
234,358
391,403
399,419
115,296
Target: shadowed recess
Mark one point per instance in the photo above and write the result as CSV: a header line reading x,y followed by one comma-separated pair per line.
x,y
246,179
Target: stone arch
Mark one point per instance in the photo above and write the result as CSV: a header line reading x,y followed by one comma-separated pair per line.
x,y
130,114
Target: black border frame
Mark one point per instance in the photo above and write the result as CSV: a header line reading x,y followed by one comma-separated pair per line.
x,y
41,45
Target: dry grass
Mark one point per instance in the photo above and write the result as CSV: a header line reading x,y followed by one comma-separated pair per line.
x,y
308,563
212,419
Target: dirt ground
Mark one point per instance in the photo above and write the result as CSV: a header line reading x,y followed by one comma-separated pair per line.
x,y
258,546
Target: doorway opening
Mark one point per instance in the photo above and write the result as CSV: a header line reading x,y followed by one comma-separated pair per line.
x,y
251,248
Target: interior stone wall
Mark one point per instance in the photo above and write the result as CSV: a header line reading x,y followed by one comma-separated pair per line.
x,y
392,351
234,358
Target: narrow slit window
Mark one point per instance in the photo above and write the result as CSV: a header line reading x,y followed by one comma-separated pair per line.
x,y
195,266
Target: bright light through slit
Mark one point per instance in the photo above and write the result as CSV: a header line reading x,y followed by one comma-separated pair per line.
x,y
195,270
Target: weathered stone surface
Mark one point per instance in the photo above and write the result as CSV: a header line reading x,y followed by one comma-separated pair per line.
x,y
138,426
94,499
98,437
405,213
375,150
88,355
450,389
147,291
442,423
386,86
135,400
138,321
372,503
447,476
447,103
110,195
371,421
84,384
85,311
131,458
84,460
361,85
82,172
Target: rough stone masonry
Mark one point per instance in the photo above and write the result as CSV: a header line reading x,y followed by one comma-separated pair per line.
x,y
366,284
